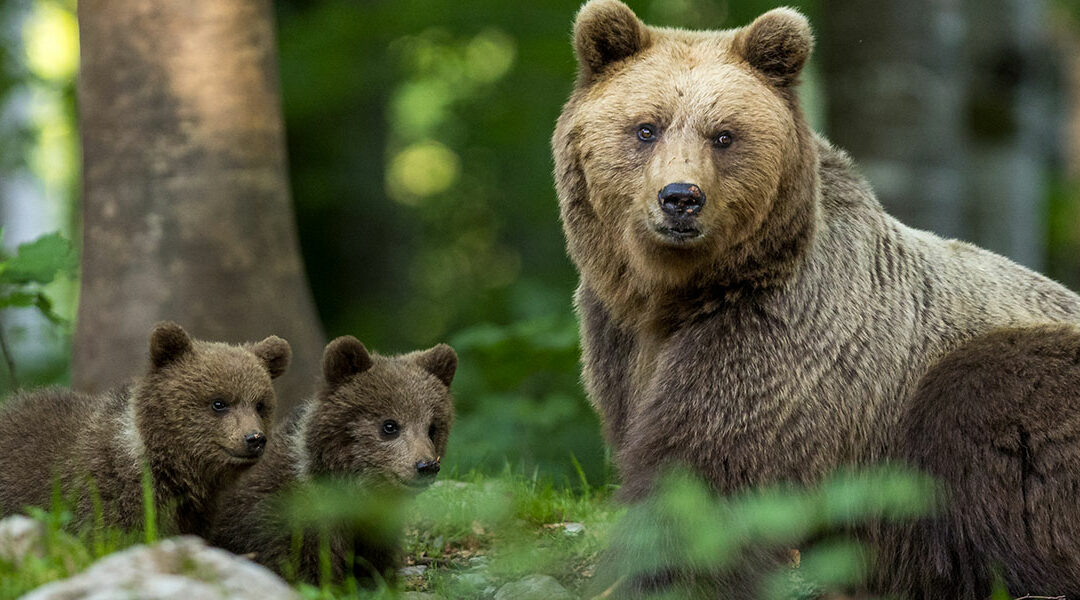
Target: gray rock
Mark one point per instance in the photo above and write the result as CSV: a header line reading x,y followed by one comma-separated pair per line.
x,y
182,568
418,596
21,537
573,529
534,587
413,571
476,580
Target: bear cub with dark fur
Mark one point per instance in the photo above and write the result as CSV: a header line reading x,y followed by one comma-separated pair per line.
x,y
196,420
379,423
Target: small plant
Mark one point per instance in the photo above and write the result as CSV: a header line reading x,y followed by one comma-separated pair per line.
x,y
23,277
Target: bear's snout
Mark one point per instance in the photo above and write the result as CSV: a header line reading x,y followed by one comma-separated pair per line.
x,y
681,199
255,443
428,468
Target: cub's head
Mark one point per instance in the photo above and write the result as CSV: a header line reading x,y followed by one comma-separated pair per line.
x,y
208,405
680,153
385,419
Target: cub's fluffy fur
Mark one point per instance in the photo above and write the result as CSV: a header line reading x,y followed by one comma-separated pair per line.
x,y
378,422
97,448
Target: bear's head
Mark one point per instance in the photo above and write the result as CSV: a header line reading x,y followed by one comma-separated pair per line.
x,y
383,419
204,408
682,157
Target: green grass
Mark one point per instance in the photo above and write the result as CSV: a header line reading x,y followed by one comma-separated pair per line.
x,y
475,533
511,524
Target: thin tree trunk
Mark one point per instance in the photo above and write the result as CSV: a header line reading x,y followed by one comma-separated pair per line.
x,y
186,208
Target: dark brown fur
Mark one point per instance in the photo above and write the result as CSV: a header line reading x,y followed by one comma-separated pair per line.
x,y
786,339
162,421
997,421
336,436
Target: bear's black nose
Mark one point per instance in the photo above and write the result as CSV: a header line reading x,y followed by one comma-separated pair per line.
x,y
255,441
428,468
677,199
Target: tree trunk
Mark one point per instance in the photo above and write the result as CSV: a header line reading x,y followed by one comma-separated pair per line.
x,y
186,208
944,105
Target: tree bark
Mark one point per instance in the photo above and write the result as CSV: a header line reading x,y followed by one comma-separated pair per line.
x,y
186,207
944,104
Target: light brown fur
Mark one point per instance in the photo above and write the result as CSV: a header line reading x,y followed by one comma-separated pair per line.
x,y
162,421
787,338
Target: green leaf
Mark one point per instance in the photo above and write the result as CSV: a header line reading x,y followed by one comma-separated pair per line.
x,y
18,300
45,306
40,260
35,299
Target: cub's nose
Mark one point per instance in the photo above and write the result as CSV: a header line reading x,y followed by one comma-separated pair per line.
x,y
428,468
255,442
678,199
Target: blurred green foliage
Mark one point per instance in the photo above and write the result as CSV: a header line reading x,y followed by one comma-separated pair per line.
x,y
24,276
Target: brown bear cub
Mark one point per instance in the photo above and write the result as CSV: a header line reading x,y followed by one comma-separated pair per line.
x,y
377,423
1017,393
194,422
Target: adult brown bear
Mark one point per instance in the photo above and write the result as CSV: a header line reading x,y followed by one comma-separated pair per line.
x,y
747,308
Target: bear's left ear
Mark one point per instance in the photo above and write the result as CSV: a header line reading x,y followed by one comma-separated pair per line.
x,y
275,353
440,361
606,31
777,44
344,357
168,342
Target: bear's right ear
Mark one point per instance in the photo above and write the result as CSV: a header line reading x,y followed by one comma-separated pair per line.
x,y
274,353
168,342
777,44
606,31
343,358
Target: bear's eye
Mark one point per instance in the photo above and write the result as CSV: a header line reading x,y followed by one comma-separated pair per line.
x,y
646,133
724,139
390,428
219,405
431,432
260,407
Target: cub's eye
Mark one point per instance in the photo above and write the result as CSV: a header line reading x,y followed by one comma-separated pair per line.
x,y
219,405
260,407
646,133
724,139
390,427
431,431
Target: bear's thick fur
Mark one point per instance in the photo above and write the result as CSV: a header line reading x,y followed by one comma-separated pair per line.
x,y
996,422
164,421
339,435
763,319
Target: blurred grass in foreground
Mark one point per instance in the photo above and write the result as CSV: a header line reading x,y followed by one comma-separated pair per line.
x,y
475,533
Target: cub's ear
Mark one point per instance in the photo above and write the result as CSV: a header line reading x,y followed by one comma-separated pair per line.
x,y
777,44
275,353
440,361
168,342
343,358
606,31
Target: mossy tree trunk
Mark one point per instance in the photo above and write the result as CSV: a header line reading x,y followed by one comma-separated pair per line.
x,y
186,207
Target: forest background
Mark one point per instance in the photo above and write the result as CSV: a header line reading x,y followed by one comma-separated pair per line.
x,y
419,181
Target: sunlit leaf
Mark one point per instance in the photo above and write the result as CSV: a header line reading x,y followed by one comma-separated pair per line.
x,y
40,260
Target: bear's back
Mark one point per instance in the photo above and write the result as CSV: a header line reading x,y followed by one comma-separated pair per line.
x,y
41,432
906,297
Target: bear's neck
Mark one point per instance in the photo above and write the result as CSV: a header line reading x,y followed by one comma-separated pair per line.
x,y
184,490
